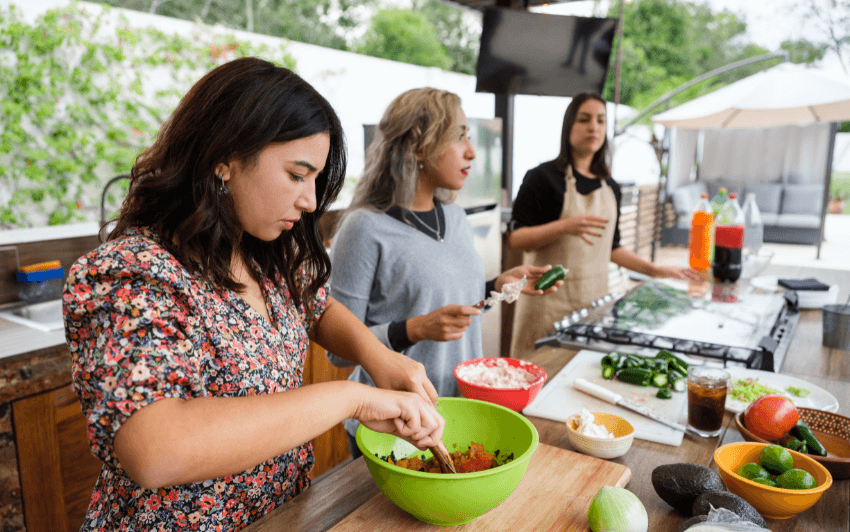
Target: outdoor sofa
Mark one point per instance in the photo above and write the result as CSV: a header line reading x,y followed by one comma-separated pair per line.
x,y
791,213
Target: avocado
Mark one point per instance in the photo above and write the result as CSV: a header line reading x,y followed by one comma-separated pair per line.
x,y
730,501
680,484
693,521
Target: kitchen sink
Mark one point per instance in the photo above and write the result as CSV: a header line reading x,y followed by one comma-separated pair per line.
x,y
45,316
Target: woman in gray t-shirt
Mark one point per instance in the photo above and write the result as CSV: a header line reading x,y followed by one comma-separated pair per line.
x,y
403,257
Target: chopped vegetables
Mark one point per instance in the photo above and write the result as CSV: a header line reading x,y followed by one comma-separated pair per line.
x,y
665,371
797,392
748,390
664,393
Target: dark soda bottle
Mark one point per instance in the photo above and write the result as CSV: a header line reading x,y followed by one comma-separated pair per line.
x,y
729,242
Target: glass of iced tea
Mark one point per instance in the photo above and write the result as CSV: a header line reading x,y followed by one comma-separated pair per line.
x,y
706,399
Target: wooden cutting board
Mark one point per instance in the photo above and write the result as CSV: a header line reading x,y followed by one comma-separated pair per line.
x,y
554,494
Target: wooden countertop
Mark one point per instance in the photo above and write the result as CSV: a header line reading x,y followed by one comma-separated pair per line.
x,y
338,493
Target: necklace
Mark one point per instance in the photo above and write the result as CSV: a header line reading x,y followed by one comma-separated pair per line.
x,y
435,231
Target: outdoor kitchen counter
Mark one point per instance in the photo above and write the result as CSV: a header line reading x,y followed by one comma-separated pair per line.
x,y
339,492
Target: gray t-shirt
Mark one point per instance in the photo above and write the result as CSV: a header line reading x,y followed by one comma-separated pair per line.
x,y
385,270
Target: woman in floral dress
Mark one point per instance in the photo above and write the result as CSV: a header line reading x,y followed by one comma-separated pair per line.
x,y
189,327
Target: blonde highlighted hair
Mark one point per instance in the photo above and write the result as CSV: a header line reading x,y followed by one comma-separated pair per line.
x,y
418,126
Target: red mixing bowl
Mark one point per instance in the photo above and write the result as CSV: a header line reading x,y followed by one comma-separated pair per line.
x,y
513,398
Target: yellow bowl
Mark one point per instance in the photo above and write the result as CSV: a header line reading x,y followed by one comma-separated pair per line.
x,y
624,435
772,503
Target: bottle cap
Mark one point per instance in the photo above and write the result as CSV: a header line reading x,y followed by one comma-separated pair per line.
x,y
733,196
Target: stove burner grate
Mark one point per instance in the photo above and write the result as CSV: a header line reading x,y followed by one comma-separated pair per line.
x,y
767,356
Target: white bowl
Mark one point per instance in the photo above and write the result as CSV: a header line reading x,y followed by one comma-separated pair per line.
x,y
623,431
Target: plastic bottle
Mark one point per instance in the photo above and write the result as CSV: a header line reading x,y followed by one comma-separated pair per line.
x,y
718,201
729,242
702,235
753,226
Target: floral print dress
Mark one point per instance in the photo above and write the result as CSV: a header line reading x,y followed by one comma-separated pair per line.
x,y
141,328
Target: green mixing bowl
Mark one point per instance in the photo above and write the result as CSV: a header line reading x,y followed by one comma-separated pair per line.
x,y
446,499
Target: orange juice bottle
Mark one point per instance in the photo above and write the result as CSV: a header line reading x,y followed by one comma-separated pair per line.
x,y
702,235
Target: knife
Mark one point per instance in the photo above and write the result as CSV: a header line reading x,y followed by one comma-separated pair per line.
x,y
616,399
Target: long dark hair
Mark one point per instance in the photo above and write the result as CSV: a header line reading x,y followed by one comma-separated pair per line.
x,y
231,114
599,164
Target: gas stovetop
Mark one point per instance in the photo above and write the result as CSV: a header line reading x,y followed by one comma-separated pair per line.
x,y
726,323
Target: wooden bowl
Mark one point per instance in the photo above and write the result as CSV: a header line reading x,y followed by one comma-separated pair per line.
x,y
832,430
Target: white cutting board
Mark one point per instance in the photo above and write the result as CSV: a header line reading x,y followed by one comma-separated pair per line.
x,y
558,400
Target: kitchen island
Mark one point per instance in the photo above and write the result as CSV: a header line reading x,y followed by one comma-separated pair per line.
x,y
338,493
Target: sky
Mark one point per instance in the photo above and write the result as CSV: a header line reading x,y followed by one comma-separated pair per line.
x,y
769,22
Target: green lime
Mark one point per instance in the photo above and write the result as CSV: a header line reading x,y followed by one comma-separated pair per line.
x,y
765,481
776,459
753,471
796,479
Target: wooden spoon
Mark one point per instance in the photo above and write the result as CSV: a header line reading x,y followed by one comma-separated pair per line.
x,y
444,460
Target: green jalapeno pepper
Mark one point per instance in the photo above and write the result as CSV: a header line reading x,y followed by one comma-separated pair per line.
x,y
551,277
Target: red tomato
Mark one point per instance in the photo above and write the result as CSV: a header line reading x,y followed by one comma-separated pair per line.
x,y
770,417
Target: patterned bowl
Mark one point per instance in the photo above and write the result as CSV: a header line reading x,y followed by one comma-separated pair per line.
x,y
624,435
832,430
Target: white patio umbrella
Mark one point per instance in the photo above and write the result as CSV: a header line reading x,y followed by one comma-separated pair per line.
x,y
783,95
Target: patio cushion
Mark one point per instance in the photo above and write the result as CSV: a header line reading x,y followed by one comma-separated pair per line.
x,y
770,218
809,221
768,196
802,199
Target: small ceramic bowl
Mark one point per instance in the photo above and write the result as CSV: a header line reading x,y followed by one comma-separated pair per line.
x,y
832,431
624,435
772,503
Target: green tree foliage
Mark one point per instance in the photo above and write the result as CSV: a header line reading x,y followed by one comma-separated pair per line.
x,y
328,23
457,30
830,19
668,42
336,24
404,35
803,51
81,96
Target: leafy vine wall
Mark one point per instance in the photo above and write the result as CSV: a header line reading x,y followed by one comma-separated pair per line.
x,y
82,93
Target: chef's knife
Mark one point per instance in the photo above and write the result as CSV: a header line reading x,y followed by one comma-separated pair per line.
x,y
616,399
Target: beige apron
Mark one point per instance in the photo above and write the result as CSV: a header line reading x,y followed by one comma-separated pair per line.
x,y
587,278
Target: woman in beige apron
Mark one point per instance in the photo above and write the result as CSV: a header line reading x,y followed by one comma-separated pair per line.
x,y
580,235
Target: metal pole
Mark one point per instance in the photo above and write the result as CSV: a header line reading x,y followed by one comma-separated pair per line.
x,y
505,111
617,65
666,97
833,129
